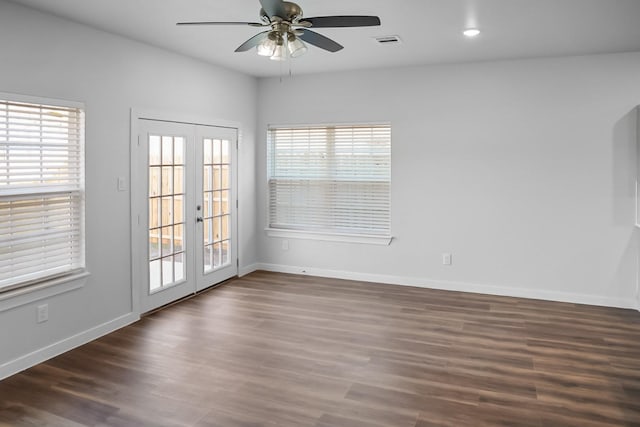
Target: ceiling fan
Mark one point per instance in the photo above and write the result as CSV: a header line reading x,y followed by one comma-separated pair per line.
x,y
289,29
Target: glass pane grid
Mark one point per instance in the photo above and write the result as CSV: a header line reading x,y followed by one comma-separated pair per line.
x,y
216,212
166,211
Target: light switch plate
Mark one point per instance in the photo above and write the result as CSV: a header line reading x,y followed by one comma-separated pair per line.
x,y
122,183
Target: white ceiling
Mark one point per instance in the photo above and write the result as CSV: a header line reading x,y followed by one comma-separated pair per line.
x,y
430,29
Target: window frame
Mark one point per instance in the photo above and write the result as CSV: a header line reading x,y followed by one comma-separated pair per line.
x,y
324,235
34,289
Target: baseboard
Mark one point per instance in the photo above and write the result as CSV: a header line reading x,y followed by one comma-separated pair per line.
x,y
243,271
24,362
455,286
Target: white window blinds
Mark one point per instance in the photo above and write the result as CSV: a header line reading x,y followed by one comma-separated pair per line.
x,y
333,179
41,191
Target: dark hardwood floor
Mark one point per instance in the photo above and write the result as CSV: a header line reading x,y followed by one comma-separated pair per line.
x,y
283,350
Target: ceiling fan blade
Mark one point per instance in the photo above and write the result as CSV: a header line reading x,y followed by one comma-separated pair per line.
x,y
251,24
274,8
343,21
253,41
320,41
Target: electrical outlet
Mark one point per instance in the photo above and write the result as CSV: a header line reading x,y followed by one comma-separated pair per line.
x,y
285,245
43,313
446,259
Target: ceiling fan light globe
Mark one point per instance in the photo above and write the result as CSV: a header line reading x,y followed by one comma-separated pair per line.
x,y
296,48
279,53
267,47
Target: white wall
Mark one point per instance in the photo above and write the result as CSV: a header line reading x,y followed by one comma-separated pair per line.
x,y
45,56
524,170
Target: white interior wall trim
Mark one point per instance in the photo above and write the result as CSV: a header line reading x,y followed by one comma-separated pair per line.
x,y
328,237
27,295
477,288
248,269
43,354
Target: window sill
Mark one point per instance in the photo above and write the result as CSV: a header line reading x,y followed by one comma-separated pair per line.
x,y
43,290
331,237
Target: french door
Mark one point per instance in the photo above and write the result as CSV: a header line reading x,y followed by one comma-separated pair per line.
x,y
186,224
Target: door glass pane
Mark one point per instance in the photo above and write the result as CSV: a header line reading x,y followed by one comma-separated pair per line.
x,y
167,241
178,209
206,205
225,177
166,211
154,243
208,258
207,231
208,157
216,255
225,151
154,213
167,180
155,157
224,234
154,275
217,210
179,266
178,238
217,155
178,151
216,229
206,176
154,181
167,271
167,150
224,202
178,179
216,178
225,252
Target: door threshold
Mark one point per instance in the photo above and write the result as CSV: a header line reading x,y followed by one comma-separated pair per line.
x,y
188,297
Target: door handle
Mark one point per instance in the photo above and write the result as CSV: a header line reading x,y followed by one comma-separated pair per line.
x,y
199,219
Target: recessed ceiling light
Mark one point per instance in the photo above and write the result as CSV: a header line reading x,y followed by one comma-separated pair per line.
x,y
471,32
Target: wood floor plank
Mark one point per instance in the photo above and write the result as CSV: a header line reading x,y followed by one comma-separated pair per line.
x,y
278,350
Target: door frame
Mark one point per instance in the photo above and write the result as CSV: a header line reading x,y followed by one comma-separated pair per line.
x,y
137,257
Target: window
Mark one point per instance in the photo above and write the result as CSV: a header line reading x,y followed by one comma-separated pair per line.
x,y
41,190
330,179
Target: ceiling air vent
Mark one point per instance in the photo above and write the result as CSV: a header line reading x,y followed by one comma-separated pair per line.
x,y
388,40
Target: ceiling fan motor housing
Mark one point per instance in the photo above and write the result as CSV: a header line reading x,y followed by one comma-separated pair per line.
x,y
291,11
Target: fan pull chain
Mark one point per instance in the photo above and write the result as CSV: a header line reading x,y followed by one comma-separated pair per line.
x,y
289,66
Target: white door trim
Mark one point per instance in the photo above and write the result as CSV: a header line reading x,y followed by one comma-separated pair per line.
x,y
135,177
